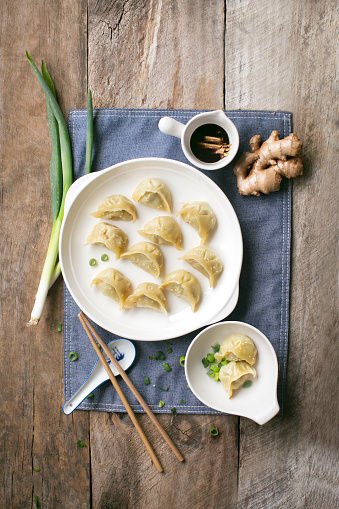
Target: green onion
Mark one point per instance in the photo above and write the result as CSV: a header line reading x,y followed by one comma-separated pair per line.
x,y
216,348
36,501
161,403
205,362
158,356
147,380
104,257
169,349
73,356
92,262
215,368
182,402
182,361
59,327
36,469
174,410
49,268
247,384
164,389
89,135
213,431
166,367
210,357
90,396
81,444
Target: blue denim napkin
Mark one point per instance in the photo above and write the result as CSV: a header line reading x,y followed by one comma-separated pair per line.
x,y
122,134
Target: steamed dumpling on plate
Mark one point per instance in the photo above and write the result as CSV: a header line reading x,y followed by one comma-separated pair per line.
x,y
205,261
113,284
185,286
153,193
146,256
163,230
116,207
110,236
147,295
234,374
237,347
200,216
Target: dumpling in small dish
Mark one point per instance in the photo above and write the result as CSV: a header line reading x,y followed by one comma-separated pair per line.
x,y
235,374
205,261
163,230
147,295
146,256
116,207
237,347
110,236
200,216
184,285
113,284
153,193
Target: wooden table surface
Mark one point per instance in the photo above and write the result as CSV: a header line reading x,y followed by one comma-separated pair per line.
x,y
264,54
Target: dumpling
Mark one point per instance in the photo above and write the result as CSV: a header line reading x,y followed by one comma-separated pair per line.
x,y
184,285
237,347
113,284
153,193
234,374
110,236
147,256
205,261
163,230
116,207
200,216
147,295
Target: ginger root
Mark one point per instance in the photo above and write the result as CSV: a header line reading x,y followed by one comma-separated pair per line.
x,y
262,169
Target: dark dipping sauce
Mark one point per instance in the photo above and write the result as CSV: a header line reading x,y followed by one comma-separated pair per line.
x,y
198,142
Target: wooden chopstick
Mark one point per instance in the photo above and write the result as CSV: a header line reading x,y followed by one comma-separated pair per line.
x,y
133,389
121,395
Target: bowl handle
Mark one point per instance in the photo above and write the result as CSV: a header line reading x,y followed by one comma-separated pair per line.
x,y
169,125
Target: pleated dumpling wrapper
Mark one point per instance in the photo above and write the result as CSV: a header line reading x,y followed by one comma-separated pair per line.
x,y
201,217
110,236
163,230
237,347
234,374
146,256
205,261
113,284
153,193
147,295
116,207
185,286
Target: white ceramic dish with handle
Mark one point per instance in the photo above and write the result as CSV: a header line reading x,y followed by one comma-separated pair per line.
x,y
186,184
259,401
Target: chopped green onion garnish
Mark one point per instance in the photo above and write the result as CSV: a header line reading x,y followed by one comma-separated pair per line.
x,y
169,349
81,444
158,356
174,410
37,503
90,396
213,431
147,380
205,362
216,348
247,384
92,262
73,356
215,368
59,327
182,361
104,257
161,403
166,366
183,402
36,469
210,357
164,389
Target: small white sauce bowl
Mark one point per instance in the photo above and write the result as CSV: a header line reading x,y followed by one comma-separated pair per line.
x,y
259,401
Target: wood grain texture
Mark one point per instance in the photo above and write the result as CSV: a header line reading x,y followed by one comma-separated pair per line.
x,y
34,432
279,55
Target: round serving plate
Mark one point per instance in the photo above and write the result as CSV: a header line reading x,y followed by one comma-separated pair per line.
x,y
186,184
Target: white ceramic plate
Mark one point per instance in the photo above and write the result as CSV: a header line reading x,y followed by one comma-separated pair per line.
x,y
186,184
258,402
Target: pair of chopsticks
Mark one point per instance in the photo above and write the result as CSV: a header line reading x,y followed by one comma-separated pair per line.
x,y
96,340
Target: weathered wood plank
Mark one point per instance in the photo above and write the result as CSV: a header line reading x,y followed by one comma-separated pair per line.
x,y
279,55
159,54
34,432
